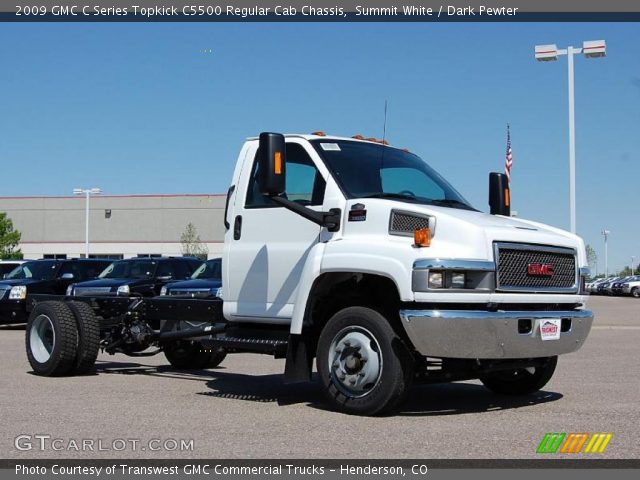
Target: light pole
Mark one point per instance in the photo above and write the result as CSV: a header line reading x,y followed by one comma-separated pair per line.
x,y
633,257
546,53
606,260
87,192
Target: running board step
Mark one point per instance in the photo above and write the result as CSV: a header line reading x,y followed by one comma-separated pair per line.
x,y
277,348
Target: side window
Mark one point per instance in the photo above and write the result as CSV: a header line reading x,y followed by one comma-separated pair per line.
x,y
182,270
165,269
305,185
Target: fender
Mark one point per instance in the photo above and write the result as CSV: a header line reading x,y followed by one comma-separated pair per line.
x,y
351,256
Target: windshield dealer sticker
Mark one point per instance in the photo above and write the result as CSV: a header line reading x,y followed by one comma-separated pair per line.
x,y
550,329
330,147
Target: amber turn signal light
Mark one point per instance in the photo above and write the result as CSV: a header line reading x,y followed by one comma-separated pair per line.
x,y
422,237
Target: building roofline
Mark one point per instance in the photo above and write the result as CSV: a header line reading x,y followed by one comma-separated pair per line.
x,y
140,195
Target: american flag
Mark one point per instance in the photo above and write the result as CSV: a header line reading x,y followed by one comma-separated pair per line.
x,y
508,161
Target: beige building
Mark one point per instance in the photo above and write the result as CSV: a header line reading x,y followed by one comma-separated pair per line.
x,y
120,226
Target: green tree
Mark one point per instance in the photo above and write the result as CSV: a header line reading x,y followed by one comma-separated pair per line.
x,y
592,259
192,246
9,239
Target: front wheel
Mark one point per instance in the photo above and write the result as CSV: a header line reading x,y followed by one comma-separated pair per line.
x,y
364,366
521,381
635,292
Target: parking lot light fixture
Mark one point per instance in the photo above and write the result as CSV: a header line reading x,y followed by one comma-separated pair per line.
x,y
606,233
87,192
633,258
546,53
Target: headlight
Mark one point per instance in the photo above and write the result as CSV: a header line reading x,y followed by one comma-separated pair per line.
x,y
18,292
123,290
163,290
70,290
458,280
436,280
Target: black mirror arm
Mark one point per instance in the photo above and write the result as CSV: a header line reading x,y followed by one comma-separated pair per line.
x,y
330,219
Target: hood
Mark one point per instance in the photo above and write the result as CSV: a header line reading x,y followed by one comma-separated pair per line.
x,y
460,233
9,282
114,282
196,283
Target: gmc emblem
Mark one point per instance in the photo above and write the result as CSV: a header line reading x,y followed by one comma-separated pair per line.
x,y
540,270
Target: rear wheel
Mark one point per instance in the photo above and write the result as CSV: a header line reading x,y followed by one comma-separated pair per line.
x,y
88,336
364,366
190,355
521,381
51,339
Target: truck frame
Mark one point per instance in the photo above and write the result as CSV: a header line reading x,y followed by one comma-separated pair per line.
x,y
381,289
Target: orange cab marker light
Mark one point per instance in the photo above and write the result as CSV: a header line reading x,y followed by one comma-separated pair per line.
x,y
371,139
278,163
507,199
358,137
319,133
422,237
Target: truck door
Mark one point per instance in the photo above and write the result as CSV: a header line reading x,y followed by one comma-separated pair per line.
x,y
268,244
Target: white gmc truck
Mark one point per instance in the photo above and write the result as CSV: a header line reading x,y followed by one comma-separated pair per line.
x,y
361,256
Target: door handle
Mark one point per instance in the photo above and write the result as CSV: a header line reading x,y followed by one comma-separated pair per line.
x,y
237,227
226,205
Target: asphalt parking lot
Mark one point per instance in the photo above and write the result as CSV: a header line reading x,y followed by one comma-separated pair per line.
x,y
243,410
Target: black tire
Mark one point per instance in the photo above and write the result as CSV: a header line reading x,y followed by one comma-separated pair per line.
x,y
190,355
52,339
635,292
521,381
88,337
363,365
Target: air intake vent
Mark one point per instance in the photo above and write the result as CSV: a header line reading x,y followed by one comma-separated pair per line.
x,y
405,223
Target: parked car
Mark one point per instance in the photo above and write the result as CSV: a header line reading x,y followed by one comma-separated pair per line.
x,y
632,287
589,286
616,287
137,276
42,276
603,287
7,266
206,281
594,286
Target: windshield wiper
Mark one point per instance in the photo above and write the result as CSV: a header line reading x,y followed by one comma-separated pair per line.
x,y
450,202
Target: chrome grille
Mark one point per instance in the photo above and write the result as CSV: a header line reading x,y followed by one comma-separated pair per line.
x,y
91,290
513,262
193,292
405,223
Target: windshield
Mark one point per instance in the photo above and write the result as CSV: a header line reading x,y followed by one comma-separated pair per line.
x,y
42,270
210,269
371,170
130,269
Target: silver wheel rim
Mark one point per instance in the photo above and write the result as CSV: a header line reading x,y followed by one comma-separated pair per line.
x,y
42,338
355,361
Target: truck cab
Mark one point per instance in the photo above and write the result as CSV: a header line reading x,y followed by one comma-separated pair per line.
x,y
318,225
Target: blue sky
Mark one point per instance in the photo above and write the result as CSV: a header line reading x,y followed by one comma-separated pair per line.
x,y
141,108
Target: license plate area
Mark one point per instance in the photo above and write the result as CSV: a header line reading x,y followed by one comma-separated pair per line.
x,y
549,328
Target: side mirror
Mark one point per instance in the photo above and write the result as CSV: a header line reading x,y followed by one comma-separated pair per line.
x,y
67,276
272,164
499,194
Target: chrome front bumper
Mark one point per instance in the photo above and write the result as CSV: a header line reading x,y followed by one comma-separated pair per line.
x,y
486,335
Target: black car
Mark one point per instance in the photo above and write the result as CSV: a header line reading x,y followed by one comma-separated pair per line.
x,y
206,281
138,276
45,277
